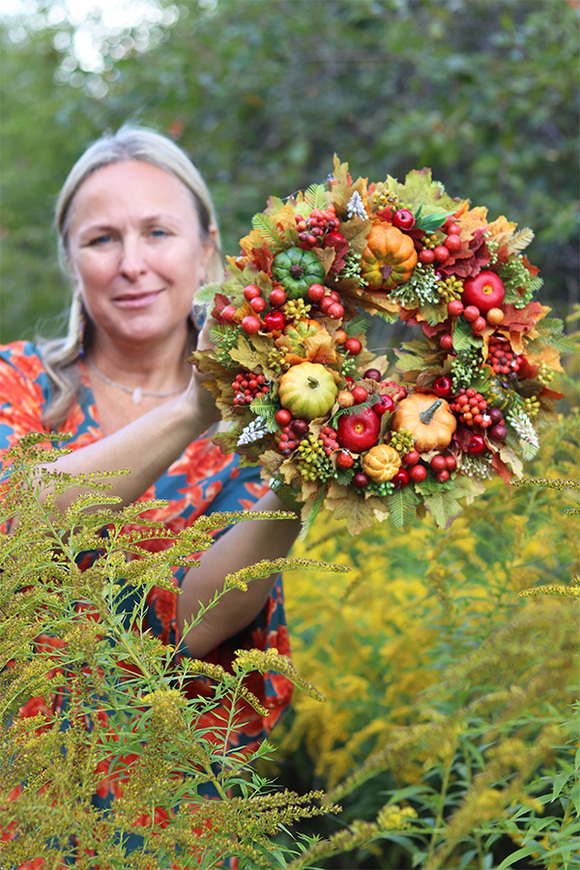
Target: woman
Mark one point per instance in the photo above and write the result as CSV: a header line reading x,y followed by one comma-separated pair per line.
x,y
138,235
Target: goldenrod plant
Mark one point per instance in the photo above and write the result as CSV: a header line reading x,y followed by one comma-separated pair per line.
x,y
449,661
122,704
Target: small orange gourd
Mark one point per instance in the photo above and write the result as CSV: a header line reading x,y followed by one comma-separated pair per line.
x,y
389,257
381,462
428,418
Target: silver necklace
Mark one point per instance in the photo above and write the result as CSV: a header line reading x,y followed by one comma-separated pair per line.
x,y
136,394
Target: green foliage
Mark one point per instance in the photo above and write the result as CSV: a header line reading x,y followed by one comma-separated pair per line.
x,y
80,636
485,92
450,667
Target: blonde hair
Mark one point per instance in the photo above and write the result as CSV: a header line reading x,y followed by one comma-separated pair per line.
x,y
129,143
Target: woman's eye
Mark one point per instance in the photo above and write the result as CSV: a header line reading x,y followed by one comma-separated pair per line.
x,y
158,233
100,240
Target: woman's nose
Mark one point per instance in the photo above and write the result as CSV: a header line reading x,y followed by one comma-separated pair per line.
x,y
133,261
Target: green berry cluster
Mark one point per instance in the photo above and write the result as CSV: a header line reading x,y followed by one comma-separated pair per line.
x,y
277,360
349,367
352,269
381,197
465,368
296,309
382,489
312,460
545,373
402,441
531,405
227,342
422,288
451,288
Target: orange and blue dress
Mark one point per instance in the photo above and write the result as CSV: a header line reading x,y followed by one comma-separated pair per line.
x,y
201,481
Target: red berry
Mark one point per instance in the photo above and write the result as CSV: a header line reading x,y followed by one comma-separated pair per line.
x,y
450,462
353,346
344,459
438,462
498,432
251,324
360,480
442,475
411,458
441,254
325,303
372,374
471,313
335,311
426,256
257,304
450,226
316,292
453,243
277,297
300,427
417,473
446,341
228,313
359,394
283,417
455,307
251,291
479,324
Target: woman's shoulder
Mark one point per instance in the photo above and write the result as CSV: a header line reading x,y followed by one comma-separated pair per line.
x,y
25,356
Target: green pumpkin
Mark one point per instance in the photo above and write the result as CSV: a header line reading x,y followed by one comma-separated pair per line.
x,y
308,390
297,270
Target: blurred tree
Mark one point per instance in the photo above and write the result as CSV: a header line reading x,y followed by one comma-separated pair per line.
x,y
261,93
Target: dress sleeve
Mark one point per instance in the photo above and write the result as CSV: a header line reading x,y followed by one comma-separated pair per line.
x,y
24,392
267,631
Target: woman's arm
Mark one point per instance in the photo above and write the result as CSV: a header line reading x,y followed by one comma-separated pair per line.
x,y
145,448
241,546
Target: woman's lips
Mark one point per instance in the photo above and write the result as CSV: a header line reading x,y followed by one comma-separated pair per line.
x,y
137,299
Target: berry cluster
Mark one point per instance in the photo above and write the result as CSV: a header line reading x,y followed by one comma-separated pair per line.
x,y
247,386
328,438
291,434
311,230
437,251
471,408
502,358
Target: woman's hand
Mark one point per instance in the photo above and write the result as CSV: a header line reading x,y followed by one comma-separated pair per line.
x,y
204,408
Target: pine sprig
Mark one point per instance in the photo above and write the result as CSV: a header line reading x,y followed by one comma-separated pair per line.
x,y
269,232
316,196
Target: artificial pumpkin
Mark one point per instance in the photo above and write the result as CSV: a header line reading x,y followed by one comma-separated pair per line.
x,y
297,269
389,257
381,463
428,418
301,329
308,390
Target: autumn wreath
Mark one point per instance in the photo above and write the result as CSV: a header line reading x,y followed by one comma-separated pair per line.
x,y
391,433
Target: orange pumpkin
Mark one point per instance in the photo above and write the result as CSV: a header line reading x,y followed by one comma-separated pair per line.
x,y
381,462
389,257
428,418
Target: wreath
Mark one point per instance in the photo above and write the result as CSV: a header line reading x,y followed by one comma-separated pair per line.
x,y
394,433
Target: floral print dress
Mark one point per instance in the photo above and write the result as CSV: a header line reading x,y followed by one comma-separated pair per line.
x,y
201,481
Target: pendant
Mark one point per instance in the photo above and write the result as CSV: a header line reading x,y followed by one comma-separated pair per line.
x,y
137,395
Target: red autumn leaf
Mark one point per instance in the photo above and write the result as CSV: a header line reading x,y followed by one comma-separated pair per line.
x,y
502,469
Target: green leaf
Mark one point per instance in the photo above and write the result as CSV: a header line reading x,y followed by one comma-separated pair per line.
x,y
463,338
402,506
432,222
206,294
316,196
267,228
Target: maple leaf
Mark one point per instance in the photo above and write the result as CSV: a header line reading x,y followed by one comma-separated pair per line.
x,y
444,506
517,321
419,189
320,348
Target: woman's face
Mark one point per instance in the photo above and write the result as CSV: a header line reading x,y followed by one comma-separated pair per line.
x,y
136,251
